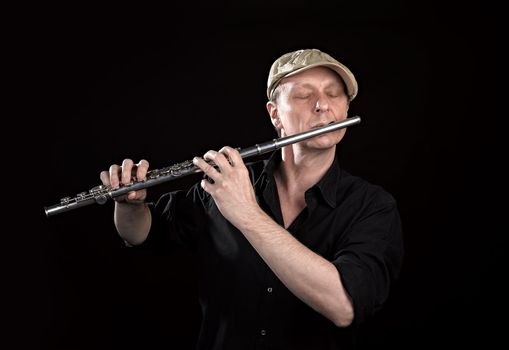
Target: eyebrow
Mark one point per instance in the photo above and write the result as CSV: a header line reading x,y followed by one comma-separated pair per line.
x,y
310,86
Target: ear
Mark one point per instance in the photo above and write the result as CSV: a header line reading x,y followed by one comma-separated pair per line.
x,y
274,115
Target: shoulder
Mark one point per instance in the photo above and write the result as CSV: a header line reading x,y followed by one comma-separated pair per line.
x,y
363,192
370,208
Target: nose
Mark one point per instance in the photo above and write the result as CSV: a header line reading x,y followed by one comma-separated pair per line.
x,y
321,105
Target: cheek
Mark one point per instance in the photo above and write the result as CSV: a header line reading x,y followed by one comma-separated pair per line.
x,y
285,107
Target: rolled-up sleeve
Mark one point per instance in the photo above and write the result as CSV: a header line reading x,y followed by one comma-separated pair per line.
x,y
369,259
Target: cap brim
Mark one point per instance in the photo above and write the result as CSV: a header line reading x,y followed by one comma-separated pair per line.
x,y
342,71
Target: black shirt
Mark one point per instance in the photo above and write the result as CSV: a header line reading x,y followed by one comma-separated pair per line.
x,y
348,221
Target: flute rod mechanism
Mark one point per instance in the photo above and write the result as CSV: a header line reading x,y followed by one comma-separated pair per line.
x,y
100,194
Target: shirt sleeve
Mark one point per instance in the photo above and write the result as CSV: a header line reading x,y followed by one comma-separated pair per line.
x,y
369,257
178,219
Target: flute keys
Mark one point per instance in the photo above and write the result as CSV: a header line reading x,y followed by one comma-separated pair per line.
x,y
97,189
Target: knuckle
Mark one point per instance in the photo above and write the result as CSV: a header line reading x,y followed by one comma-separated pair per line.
x,y
210,154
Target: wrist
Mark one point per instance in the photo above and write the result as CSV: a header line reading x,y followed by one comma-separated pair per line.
x,y
131,204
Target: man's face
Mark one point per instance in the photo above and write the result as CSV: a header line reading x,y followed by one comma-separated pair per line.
x,y
311,99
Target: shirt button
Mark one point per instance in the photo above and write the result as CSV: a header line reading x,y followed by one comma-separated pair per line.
x,y
263,332
269,290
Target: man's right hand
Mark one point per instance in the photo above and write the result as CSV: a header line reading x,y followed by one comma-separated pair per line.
x,y
124,174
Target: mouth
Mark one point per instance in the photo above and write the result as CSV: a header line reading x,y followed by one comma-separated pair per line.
x,y
319,125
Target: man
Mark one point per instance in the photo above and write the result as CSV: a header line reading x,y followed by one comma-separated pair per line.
x,y
294,251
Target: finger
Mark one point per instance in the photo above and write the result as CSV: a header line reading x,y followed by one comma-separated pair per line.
x,y
207,168
232,155
132,195
218,159
127,166
142,168
207,186
114,170
105,178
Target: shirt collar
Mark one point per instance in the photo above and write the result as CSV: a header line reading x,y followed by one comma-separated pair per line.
x,y
329,183
327,186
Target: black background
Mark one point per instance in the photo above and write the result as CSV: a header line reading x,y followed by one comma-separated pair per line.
x,y
99,85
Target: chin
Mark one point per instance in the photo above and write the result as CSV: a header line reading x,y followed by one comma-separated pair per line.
x,y
326,141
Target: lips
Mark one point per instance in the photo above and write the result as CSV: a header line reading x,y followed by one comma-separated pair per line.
x,y
321,124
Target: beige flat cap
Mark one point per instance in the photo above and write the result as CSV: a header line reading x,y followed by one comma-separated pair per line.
x,y
298,61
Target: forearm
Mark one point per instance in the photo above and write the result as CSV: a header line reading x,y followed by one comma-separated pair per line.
x,y
309,276
132,222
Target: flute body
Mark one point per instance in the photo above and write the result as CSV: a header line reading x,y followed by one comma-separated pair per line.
x,y
101,194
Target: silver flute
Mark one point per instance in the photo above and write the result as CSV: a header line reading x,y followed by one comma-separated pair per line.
x,y
100,194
